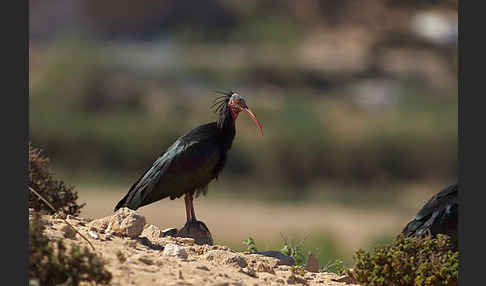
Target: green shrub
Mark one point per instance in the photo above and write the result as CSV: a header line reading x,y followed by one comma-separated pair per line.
x,y
52,264
335,266
295,250
251,246
60,195
409,261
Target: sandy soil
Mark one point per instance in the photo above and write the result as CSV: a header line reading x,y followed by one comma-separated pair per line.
x,y
231,221
145,262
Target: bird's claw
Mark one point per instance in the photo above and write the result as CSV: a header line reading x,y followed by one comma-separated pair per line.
x,y
197,230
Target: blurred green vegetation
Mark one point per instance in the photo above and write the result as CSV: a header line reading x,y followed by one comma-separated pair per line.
x,y
348,93
86,118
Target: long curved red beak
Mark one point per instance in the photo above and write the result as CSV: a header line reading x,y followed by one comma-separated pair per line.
x,y
247,110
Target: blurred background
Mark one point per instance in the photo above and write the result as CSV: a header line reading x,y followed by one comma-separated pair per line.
x,y
358,102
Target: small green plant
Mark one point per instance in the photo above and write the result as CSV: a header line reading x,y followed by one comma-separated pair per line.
x,y
295,250
61,196
251,246
52,264
410,261
334,266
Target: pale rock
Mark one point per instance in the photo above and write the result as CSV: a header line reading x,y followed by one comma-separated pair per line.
x,y
126,222
226,258
151,232
175,251
94,234
99,225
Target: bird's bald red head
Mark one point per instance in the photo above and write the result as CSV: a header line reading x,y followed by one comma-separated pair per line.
x,y
237,104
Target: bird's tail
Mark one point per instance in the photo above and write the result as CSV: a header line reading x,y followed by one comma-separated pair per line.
x,y
412,228
121,203
126,202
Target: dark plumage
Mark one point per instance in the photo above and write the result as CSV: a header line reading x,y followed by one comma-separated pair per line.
x,y
438,215
191,162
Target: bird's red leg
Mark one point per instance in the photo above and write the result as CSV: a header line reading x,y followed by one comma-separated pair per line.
x,y
193,214
188,201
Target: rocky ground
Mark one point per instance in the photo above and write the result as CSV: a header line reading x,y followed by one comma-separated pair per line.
x,y
141,254
348,227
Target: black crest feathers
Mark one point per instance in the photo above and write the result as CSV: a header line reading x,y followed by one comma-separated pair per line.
x,y
220,105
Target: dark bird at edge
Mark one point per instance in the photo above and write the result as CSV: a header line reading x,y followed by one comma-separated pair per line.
x,y
438,215
192,161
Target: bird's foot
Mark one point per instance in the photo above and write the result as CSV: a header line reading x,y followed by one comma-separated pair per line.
x,y
197,230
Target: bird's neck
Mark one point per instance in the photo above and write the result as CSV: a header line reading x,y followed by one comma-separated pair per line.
x,y
234,113
226,125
